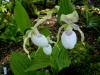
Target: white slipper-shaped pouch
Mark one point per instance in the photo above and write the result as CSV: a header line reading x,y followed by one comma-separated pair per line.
x,y
47,50
39,40
69,39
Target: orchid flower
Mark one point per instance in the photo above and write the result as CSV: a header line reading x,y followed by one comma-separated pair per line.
x,y
69,38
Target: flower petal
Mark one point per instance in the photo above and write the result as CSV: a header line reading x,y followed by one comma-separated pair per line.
x,y
70,18
47,50
69,39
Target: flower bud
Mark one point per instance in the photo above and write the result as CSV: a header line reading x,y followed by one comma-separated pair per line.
x,y
47,50
39,40
69,39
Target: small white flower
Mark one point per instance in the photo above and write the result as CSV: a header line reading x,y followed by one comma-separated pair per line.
x,y
69,39
39,40
47,50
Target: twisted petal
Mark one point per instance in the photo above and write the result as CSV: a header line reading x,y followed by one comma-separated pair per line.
x,y
24,46
76,27
26,38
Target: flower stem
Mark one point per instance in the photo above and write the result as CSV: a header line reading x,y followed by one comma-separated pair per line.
x,y
40,21
59,31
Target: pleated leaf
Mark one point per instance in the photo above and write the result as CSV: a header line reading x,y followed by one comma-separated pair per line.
x,y
19,63
39,61
21,17
66,7
45,31
60,58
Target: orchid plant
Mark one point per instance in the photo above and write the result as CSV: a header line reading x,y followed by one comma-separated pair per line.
x,y
55,55
68,37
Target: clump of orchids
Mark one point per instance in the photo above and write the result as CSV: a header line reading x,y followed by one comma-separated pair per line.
x,y
68,37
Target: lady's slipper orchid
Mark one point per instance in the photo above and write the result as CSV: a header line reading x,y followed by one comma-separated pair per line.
x,y
39,40
69,39
47,50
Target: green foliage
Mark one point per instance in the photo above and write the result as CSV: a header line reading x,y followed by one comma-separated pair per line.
x,y
10,33
79,53
0,1
8,5
57,61
19,63
39,61
21,17
78,2
66,7
30,7
8,28
98,40
90,17
94,22
84,60
45,31
59,58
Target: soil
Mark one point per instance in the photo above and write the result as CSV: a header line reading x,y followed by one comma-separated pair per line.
x,y
5,50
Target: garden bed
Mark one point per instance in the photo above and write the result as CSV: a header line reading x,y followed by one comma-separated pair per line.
x,y
90,37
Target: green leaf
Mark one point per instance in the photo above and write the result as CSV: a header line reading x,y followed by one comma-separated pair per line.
x,y
41,73
0,1
94,22
40,60
45,31
10,32
2,26
66,7
21,17
19,63
59,58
